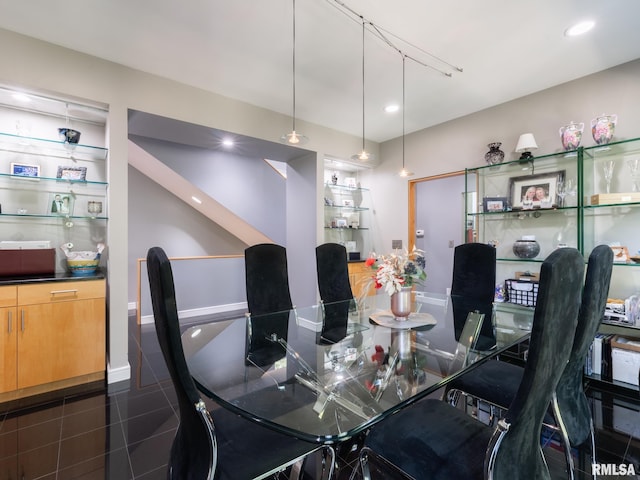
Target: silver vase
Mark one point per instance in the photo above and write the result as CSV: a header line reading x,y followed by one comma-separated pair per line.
x,y
401,304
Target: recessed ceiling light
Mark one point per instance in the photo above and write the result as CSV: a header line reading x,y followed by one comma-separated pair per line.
x,y
196,199
393,108
579,28
227,142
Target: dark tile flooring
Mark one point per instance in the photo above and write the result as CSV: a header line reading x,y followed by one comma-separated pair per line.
x,y
125,431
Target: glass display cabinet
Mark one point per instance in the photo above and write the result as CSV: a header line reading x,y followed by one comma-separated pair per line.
x,y
580,198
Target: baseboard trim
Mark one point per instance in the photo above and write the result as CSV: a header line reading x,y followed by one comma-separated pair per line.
x,y
200,312
118,374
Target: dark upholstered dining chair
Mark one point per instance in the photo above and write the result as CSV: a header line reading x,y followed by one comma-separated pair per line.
x,y
268,302
473,289
335,291
497,382
431,439
228,447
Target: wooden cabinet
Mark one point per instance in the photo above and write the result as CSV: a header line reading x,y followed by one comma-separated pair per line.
x,y
8,339
59,336
359,277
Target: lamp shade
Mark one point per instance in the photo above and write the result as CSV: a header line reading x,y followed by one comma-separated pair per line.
x,y
526,143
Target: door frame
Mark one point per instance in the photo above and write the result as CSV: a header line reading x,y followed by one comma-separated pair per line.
x,y
412,202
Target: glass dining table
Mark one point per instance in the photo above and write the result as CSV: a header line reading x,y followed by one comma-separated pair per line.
x,y
327,372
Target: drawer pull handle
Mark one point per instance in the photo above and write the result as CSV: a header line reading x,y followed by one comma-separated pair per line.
x,y
22,322
10,323
60,292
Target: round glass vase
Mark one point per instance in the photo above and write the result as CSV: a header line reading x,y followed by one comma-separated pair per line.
x,y
401,304
494,155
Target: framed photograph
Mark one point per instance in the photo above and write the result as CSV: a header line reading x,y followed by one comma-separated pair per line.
x,y
534,191
347,202
72,173
350,182
495,204
60,204
25,170
341,222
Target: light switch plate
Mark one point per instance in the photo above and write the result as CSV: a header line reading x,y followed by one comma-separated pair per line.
x,y
396,244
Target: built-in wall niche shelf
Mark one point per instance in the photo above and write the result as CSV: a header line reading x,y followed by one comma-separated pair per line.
x,y
58,108
43,147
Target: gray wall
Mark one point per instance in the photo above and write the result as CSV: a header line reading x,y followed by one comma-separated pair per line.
x,y
157,218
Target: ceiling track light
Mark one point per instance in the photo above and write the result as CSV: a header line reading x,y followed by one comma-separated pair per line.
x,y
404,172
363,156
294,138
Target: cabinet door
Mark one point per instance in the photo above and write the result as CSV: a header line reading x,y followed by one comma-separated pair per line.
x,y
61,340
8,344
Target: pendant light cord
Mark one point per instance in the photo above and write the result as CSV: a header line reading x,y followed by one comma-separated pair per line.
x,y
294,65
404,57
362,84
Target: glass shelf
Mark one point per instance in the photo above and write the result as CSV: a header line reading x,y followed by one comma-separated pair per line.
x,y
536,212
346,188
53,217
345,228
50,148
27,183
351,209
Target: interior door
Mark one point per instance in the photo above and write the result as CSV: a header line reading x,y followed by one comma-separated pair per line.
x,y
439,221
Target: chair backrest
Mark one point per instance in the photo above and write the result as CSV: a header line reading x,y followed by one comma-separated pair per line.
x,y
268,301
572,401
473,288
335,290
333,273
474,271
193,453
517,453
267,279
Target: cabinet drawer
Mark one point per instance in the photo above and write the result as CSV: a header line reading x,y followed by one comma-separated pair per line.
x,y
60,291
8,296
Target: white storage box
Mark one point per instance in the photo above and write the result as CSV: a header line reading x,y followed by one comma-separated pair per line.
x,y
625,358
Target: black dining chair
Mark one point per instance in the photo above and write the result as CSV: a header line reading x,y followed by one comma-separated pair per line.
x,y
268,302
336,296
497,383
229,447
431,439
473,289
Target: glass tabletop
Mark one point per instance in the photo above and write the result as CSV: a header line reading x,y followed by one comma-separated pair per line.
x,y
326,372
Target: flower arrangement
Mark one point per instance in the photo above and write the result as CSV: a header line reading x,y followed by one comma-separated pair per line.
x,y
398,269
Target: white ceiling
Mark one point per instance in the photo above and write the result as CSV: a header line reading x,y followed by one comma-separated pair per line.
x,y
243,49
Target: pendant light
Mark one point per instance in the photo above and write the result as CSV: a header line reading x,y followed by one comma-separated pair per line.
x,y
363,156
404,172
294,138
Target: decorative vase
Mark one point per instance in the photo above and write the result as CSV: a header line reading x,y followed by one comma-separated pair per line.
x,y
401,304
527,247
570,135
494,155
602,128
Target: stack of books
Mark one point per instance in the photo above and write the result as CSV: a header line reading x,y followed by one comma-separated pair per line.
x,y
598,360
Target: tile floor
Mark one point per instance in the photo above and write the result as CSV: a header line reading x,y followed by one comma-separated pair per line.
x,y
125,431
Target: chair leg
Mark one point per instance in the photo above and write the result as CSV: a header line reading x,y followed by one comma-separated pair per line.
x,y
593,447
364,465
297,469
565,436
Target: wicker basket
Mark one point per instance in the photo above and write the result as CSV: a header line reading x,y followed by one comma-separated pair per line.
x,y
521,292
